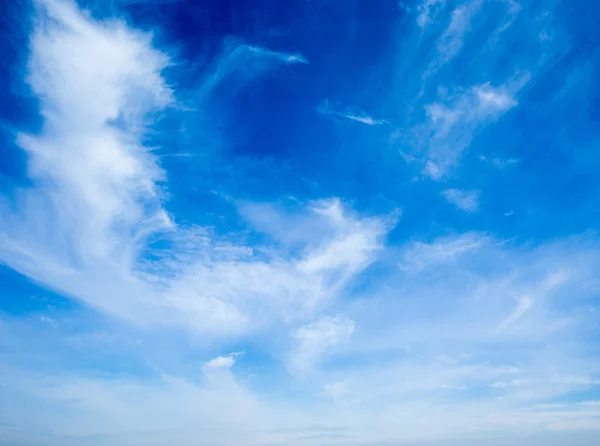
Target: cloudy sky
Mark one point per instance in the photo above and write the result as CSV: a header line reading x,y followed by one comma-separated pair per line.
x,y
300,222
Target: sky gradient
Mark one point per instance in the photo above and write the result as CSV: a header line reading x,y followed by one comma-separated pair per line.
x,y
335,222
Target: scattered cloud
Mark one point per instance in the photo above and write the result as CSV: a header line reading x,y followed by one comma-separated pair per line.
x,y
98,192
458,103
494,331
462,199
289,320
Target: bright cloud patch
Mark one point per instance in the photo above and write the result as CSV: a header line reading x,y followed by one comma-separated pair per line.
x,y
465,200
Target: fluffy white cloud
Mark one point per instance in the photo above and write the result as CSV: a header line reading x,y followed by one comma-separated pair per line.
x,y
221,362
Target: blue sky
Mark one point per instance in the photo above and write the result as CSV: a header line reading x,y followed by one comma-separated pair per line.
x,y
333,222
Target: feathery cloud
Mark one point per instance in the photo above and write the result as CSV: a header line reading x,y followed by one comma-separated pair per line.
x,y
316,338
98,190
353,114
452,123
462,199
345,327
428,9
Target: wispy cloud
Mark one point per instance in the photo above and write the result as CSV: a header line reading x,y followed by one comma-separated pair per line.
x,y
504,163
524,304
428,10
97,188
463,199
491,294
453,122
458,103
419,255
315,338
239,62
291,320
283,57
456,352
326,108
499,162
452,38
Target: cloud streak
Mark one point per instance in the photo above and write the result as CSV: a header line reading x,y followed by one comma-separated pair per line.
x,y
326,108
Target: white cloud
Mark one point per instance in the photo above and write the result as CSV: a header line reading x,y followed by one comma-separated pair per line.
x,y
428,10
267,287
157,411
472,284
453,122
433,170
48,320
450,321
221,362
492,100
451,41
97,190
504,163
240,62
419,255
499,162
426,62
484,318
524,304
316,338
463,199
283,57
326,108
